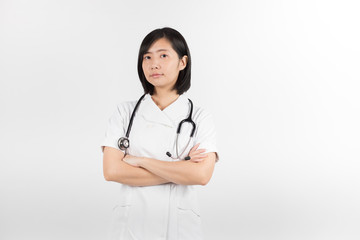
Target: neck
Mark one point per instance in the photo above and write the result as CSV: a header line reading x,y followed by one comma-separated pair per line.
x,y
164,98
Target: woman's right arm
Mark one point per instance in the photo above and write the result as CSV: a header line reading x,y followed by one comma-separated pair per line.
x,y
116,170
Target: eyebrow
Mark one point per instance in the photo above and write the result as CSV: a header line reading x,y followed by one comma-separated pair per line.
x,y
160,50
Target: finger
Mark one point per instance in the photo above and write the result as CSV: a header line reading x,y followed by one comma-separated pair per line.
x,y
199,151
196,159
199,158
202,156
194,154
195,147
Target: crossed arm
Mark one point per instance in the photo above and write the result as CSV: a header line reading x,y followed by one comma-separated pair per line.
x,y
140,171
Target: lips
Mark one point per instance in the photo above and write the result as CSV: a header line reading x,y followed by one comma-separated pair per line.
x,y
156,75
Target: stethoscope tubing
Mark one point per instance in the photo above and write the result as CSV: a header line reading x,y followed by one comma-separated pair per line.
x,y
133,115
124,143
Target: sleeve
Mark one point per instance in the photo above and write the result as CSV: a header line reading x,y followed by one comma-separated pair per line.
x,y
115,129
206,134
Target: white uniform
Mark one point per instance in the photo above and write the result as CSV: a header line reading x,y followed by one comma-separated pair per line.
x,y
167,211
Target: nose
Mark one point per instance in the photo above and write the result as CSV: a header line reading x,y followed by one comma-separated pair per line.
x,y
154,64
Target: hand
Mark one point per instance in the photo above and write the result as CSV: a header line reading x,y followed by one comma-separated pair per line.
x,y
132,160
197,155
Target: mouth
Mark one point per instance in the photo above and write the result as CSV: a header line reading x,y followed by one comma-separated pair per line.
x,y
155,75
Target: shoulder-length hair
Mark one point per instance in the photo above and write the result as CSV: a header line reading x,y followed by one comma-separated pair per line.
x,y
178,43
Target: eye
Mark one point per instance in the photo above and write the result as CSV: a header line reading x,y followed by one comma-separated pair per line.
x,y
163,55
146,57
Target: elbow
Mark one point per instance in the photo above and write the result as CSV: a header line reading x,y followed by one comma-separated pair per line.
x,y
115,176
203,183
109,175
204,180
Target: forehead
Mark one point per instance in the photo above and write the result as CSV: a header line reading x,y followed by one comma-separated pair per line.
x,y
162,44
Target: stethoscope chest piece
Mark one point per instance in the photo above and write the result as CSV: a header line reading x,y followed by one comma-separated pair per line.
x,y
123,143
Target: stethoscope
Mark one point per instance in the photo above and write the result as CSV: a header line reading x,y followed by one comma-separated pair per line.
x,y
124,142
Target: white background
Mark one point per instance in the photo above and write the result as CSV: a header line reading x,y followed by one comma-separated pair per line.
x,y
280,77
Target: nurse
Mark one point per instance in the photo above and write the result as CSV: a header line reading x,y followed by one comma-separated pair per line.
x,y
158,198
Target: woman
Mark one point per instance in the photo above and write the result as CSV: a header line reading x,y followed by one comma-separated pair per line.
x,y
158,199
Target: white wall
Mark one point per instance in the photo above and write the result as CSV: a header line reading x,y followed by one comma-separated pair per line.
x,y
281,78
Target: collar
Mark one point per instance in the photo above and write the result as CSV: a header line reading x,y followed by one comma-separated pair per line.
x,y
170,116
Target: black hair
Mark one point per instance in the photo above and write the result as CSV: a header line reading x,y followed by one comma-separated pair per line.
x,y
178,43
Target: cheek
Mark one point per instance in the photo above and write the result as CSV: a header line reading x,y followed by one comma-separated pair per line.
x,y
143,67
174,68
145,70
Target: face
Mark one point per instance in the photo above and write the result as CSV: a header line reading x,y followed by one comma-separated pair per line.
x,y
161,65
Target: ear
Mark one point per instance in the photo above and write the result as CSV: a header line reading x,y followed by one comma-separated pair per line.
x,y
183,62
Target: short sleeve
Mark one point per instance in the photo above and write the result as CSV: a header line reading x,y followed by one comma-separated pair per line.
x,y
115,129
206,133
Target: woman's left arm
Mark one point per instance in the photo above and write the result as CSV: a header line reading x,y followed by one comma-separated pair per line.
x,y
179,172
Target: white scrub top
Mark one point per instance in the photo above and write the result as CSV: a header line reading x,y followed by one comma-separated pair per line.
x,y
167,211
